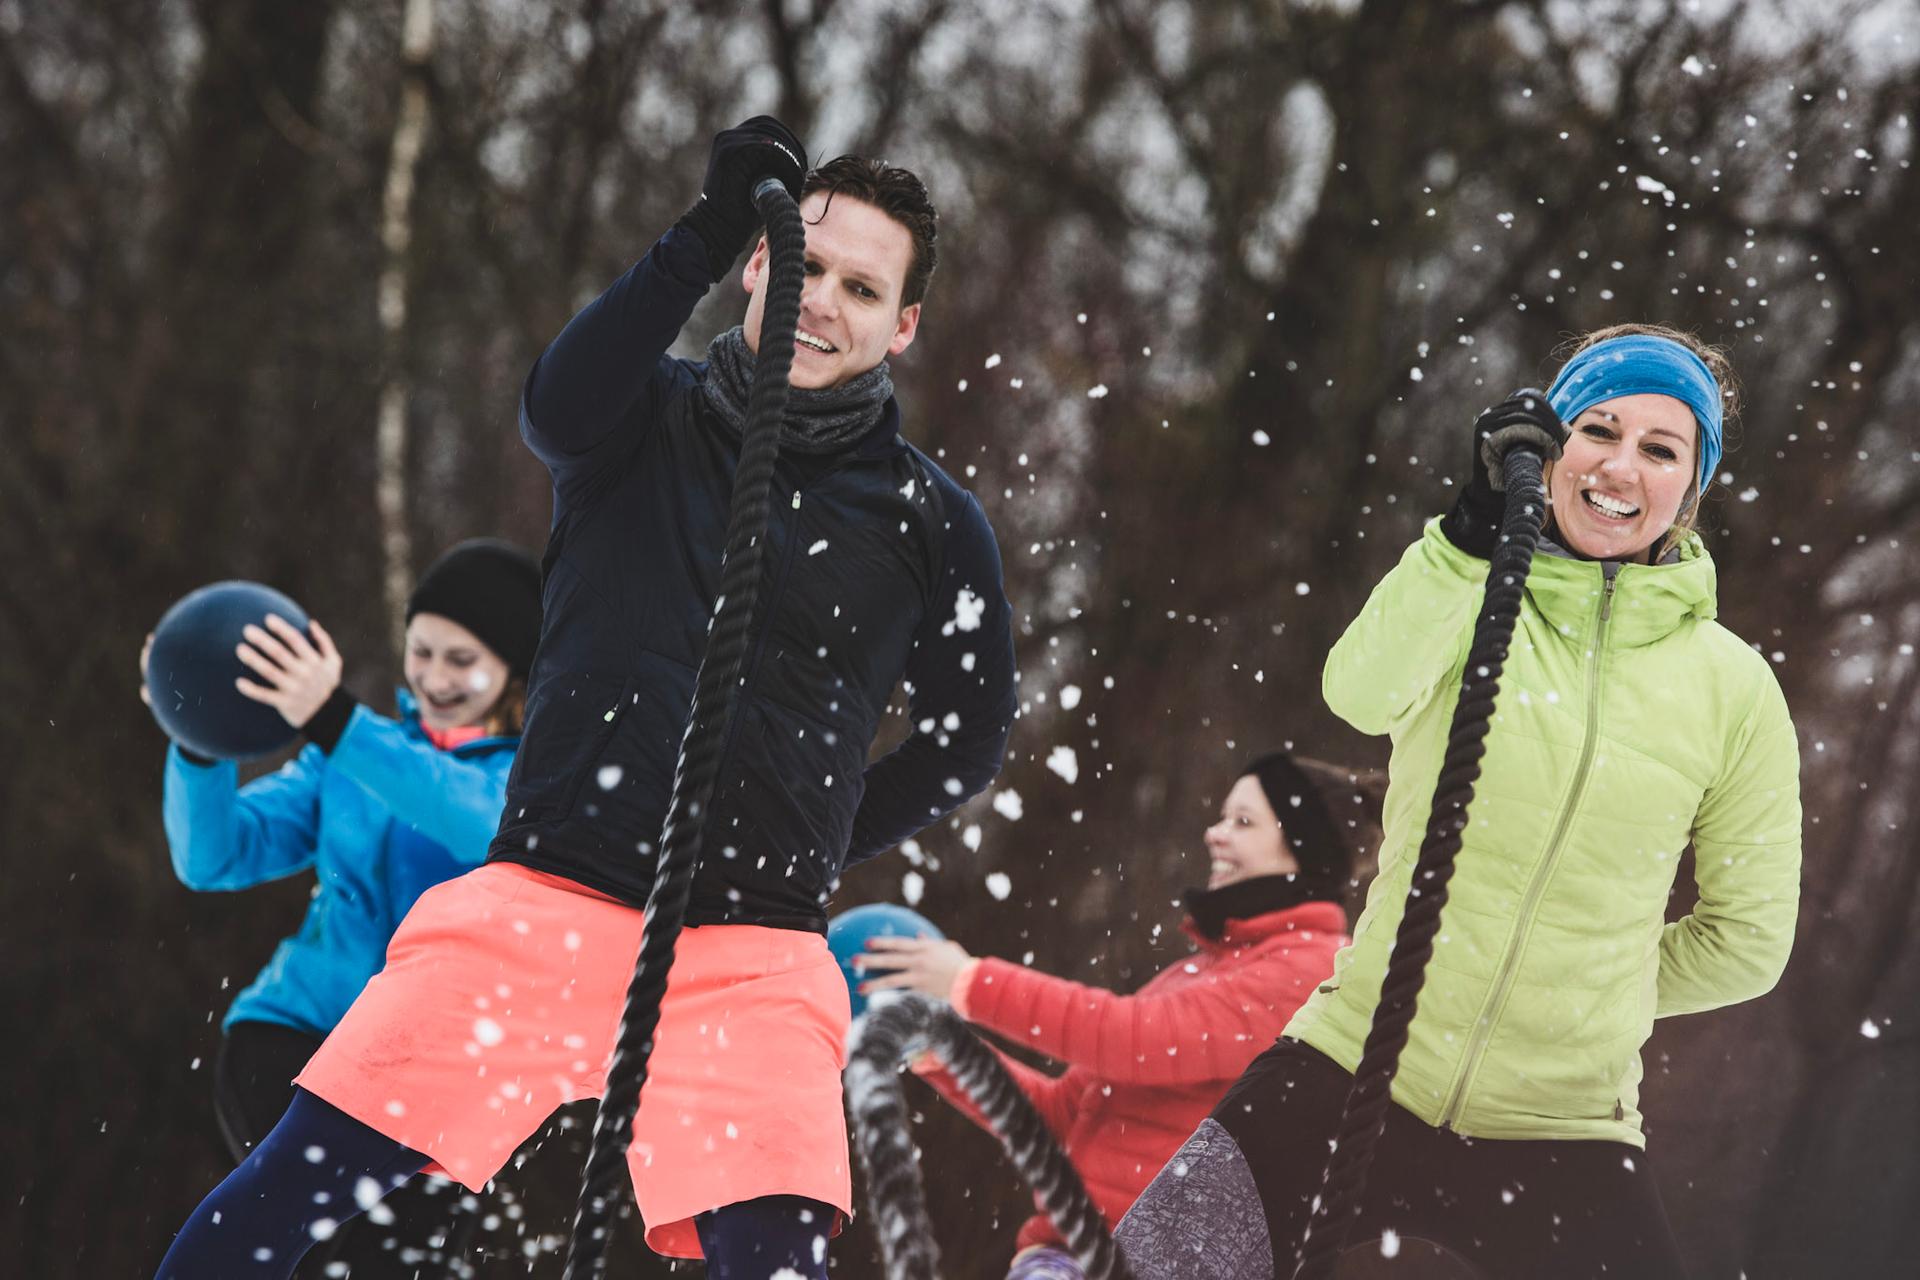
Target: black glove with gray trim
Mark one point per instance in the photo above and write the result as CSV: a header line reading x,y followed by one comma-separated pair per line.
x,y
1524,417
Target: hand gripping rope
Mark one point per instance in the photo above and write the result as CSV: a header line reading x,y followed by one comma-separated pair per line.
x,y
1365,1116
699,762
894,1029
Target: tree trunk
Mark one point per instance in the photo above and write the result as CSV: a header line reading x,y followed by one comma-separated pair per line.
x,y
396,238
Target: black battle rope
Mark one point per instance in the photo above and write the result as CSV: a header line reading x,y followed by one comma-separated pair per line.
x,y
694,773
1365,1116
893,1030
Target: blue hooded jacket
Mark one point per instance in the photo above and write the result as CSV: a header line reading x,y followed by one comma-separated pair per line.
x,y
381,819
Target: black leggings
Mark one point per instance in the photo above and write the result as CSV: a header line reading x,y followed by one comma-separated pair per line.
x,y
320,1169
253,1080
431,1222
1513,1210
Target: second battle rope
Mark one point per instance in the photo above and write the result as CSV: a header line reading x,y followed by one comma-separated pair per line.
x,y
699,763
893,1030
1345,1180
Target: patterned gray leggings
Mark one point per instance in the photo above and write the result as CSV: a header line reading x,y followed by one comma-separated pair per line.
x,y
1437,1205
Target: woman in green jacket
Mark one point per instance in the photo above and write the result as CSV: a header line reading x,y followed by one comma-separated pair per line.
x,y
1630,724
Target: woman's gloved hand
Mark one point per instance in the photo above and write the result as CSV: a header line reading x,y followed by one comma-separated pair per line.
x,y
1523,418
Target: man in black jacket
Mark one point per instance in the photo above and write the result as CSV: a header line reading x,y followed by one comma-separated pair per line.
x,y
503,989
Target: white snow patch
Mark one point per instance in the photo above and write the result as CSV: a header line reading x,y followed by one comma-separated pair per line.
x,y
609,776
1097,393
1693,66
1870,1029
1007,804
999,885
913,887
1064,762
1261,438
819,546
971,837
1069,697
488,1032
968,609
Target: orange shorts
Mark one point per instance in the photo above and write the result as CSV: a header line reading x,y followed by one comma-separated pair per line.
x,y
501,999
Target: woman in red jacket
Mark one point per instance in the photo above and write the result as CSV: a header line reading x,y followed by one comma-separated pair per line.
x,y
1143,1069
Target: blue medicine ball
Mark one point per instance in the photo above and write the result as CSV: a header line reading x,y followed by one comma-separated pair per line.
x,y
192,666
847,935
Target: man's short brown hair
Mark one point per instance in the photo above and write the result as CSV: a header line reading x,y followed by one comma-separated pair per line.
x,y
900,195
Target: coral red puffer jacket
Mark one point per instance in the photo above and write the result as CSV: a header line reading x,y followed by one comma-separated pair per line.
x,y
1143,1070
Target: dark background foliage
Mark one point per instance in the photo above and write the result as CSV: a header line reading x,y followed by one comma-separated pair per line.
x,y
1221,282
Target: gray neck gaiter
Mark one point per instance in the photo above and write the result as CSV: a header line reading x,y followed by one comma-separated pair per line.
x,y
820,421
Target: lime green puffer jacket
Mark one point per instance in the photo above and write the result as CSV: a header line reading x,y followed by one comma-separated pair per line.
x,y
1629,723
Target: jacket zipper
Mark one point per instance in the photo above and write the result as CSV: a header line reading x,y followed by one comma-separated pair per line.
x,y
1510,962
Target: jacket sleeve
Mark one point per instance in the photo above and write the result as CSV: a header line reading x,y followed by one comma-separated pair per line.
x,y
1414,630
592,395
454,801
1734,944
225,836
960,695
1208,1030
1052,1096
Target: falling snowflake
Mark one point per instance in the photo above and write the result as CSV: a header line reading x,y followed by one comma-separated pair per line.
x,y
1064,762
968,609
1007,804
999,885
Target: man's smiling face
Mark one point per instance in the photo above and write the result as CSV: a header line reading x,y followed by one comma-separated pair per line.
x,y
850,313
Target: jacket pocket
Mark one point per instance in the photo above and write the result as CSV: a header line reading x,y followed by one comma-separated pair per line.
x,y
571,717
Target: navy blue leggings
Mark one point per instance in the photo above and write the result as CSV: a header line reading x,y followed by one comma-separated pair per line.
x,y
319,1167
755,1238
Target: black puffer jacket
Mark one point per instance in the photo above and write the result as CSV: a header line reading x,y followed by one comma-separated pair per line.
x,y
879,568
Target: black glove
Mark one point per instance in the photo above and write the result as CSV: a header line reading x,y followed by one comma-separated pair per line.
x,y
724,216
1524,417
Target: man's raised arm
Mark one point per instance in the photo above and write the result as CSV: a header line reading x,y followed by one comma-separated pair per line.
x,y
593,393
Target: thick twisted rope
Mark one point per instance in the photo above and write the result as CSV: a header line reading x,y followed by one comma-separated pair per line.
x,y
898,1027
1344,1182
695,772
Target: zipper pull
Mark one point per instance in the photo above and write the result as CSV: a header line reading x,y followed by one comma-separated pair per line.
x,y
610,713
796,499
1606,597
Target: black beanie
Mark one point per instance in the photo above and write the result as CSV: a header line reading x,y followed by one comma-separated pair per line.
x,y
490,587
1326,861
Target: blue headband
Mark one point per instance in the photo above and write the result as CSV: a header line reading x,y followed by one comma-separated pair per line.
x,y
1640,364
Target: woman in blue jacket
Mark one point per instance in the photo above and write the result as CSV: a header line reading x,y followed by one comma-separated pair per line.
x,y
380,809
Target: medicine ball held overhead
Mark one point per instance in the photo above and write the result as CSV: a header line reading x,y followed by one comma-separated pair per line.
x,y
192,666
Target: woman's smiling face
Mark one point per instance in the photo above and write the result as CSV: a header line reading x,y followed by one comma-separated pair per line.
x,y
1627,469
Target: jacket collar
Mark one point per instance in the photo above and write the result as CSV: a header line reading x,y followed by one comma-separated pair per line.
x,y
409,710
1650,601
1322,917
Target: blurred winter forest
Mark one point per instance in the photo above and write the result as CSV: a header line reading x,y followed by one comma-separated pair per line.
x,y
1221,283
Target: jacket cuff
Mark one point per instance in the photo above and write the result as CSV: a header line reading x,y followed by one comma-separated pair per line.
x,y
1473,526
330,721
722,239
963,986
